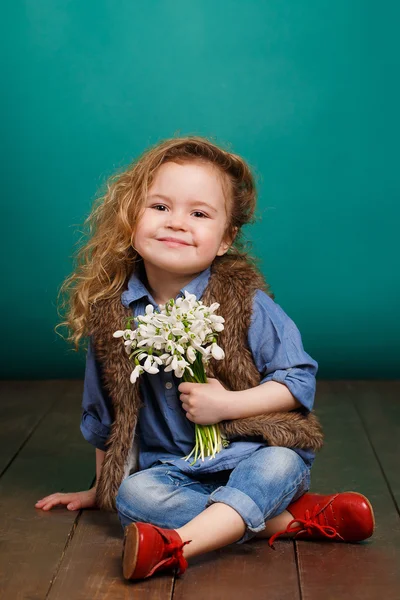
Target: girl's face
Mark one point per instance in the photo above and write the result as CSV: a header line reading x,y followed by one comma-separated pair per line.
x,y
185,202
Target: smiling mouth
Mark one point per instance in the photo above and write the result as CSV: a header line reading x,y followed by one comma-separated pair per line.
x,y
173,243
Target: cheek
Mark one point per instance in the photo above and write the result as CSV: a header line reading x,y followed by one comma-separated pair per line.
x,y
211,235
146,225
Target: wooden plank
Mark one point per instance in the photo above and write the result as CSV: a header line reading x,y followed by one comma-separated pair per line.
x,y
22,405
55,458
347,463
252,569
379,408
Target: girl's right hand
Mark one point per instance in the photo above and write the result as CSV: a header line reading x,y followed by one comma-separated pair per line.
x,y
73,500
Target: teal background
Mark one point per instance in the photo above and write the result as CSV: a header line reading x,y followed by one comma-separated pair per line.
x,y
307,92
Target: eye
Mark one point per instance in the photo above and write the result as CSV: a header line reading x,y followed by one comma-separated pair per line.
x,y
197,212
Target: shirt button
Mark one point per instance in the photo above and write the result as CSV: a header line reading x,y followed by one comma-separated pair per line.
x,y
168,385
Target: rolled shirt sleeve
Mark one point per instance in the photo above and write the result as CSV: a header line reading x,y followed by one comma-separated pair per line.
x,y
277,349
97,412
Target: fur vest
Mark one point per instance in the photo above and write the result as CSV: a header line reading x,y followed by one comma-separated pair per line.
x,y
233,283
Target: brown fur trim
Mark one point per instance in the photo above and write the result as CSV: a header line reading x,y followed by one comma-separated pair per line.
x,y
116,370
290,429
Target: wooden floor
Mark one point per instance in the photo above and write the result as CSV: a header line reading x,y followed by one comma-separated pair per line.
x,y
77,555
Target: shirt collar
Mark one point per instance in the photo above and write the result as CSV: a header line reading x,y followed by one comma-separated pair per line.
x,y
137,290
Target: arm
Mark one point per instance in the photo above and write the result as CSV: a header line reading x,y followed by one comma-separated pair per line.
x,y
97,410
288,372
95,428
97,413
267,397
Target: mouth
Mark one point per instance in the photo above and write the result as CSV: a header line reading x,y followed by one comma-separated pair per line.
x,y
173,243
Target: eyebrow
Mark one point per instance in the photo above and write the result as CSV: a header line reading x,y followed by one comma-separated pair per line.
x,y
192,203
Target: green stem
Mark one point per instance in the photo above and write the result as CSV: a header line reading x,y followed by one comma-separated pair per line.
x,y
207,437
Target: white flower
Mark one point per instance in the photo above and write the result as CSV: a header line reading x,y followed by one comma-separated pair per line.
x,y
191,297
191,354
202,335
198,347
216,319
144,342
217,352
199,313
214,307
187,303
149,366
172,363
197,326
147,330
118,333
181,366
128,346
179,329
157,341
135,373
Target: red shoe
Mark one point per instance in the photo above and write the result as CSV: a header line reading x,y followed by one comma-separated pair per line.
x,y
148,548
345,517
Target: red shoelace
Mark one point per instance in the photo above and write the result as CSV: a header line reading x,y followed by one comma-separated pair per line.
x,y
308,524
175,554
176,551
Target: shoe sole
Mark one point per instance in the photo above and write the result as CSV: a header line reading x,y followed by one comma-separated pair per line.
x,y
130,550
370,507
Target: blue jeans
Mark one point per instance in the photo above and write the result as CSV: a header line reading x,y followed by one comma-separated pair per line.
x,y
259,488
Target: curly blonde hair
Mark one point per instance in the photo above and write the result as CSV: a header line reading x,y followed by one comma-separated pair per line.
x,y
108,257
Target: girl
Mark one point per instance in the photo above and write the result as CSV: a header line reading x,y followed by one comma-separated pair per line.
x,y
172,222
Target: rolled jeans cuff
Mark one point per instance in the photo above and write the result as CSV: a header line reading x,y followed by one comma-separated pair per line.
x,y
244,505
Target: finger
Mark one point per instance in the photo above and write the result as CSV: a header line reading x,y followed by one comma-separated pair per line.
x,y
54,496
75,504
186,387
50,497
54,500
44,501
49,505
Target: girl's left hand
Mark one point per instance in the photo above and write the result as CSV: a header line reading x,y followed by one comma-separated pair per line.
x,y
205,403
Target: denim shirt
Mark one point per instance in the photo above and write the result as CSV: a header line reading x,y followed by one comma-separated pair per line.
x,y
165,433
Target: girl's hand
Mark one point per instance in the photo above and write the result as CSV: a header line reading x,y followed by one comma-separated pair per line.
x,y
206,403
73,500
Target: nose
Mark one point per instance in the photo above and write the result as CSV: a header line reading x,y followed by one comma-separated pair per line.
x,y
177,220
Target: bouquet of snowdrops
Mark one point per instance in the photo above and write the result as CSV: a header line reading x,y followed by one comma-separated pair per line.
x,y
182,337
